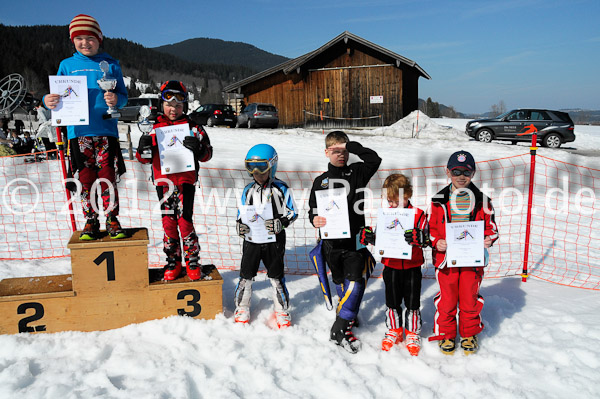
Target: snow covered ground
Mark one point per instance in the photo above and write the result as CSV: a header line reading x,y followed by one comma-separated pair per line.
x,y
541,340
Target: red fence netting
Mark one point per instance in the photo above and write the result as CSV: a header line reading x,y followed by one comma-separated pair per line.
x,y
564,245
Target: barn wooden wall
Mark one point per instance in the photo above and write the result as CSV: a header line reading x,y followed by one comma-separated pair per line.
x,y
355,77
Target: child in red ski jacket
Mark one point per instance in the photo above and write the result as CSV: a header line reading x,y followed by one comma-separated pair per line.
x,y
461,201
402,277
178,208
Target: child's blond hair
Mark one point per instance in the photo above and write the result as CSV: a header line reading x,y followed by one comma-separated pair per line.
x,y
336,137
393,183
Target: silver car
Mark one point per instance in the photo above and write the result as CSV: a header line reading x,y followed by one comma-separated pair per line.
x,y
258,115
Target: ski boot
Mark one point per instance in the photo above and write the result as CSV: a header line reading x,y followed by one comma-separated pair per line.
x,y
242,315
447,346
392,337
469,345
281,302
91,230
413,343
172,269
114,229
242,296
194,271
341,334
283,319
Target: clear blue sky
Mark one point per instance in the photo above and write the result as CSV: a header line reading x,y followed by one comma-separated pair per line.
x,y
528,53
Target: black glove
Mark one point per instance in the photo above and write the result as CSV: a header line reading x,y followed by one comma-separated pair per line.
x,y
242,229
192,143
274,226
367,236
145,143
417,237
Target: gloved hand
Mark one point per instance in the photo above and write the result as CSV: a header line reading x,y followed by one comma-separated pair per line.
x,y
274,226
242,229
192,143
367,236
417,237
145,143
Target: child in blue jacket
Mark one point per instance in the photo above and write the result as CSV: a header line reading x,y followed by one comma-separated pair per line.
x,y
95,150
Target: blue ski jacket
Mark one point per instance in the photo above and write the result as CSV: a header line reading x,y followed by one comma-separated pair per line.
x,y
81,65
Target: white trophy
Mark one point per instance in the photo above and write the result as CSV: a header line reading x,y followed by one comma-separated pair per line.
x,y
108,83
145,127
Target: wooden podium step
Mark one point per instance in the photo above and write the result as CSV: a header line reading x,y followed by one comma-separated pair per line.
x,y
110,287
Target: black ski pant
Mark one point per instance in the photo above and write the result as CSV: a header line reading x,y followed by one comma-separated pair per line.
x,y
271,255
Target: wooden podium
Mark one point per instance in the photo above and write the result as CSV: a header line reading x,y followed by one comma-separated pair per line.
x,y
111,286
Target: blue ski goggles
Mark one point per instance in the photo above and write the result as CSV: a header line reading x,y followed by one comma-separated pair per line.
x,y
170,95
258,165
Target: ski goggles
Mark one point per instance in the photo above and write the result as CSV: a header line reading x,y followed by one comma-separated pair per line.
x,y
258,165
465,172
170,95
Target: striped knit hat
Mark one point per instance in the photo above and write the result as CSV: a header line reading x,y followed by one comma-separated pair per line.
x,y
84,25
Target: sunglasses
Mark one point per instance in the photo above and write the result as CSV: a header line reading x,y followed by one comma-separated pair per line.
x,y
170,95
261,166
465,172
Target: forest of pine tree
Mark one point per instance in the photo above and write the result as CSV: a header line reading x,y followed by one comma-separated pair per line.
x,y
36,51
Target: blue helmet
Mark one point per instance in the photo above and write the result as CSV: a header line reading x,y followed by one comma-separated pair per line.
x,y
261,158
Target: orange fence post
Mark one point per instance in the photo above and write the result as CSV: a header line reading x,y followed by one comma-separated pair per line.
x,y
533,149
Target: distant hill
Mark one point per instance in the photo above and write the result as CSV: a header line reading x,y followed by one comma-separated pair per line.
x,y
36,51
216,51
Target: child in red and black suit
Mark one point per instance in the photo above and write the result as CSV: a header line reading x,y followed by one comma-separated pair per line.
x,y
402,277
461,201
178,209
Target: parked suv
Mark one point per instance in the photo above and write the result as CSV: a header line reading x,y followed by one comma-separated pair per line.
x,y
258,114
214,114
131,111
553,127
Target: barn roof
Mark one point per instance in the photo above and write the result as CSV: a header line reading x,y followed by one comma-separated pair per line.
x,y
296,63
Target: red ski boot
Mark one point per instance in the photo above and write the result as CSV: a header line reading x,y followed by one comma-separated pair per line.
x,y
172,269
392,337
194,271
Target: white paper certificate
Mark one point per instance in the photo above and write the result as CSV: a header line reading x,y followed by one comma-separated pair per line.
x,y
391,224
333,205
174,157
465,244
72,109
255,217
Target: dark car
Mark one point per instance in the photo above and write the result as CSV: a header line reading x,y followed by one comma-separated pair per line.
x,y
131,111
257,115
553,127
214,115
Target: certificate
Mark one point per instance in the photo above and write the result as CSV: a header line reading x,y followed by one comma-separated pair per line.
x,y
72,108
391,225
465,244
255,217
333,205
174,157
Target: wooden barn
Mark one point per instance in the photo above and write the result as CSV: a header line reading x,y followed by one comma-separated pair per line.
x,y
348,81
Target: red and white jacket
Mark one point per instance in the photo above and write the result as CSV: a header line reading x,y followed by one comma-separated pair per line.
x,y
177,178
416,259
440,214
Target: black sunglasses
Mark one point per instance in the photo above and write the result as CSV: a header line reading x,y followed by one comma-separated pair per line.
x,y
458,172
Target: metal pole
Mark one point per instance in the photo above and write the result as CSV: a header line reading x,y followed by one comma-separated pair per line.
x,y
532,149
